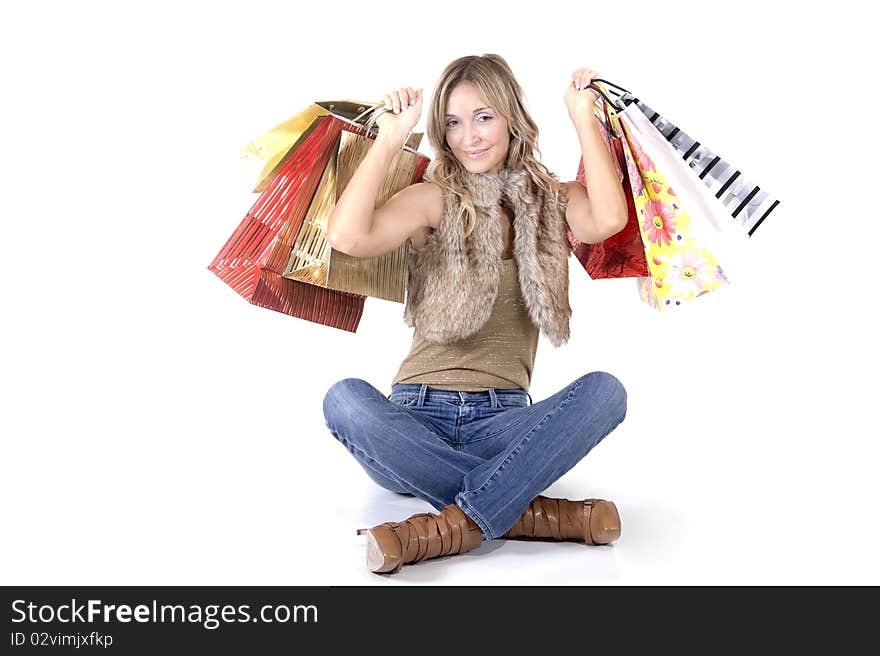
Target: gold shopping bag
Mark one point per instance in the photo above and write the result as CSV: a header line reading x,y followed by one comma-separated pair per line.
x,y
275,146
314,261
311,259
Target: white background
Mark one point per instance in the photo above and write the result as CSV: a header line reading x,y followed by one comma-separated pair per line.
x,y
158,429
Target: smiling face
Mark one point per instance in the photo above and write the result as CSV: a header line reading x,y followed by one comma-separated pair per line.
x,y
471,126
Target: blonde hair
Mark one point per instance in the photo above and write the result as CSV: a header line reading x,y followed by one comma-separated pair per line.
x,y
493,77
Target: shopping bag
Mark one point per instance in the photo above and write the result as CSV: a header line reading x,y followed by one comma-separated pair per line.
x,y
623,254
680,259
246,261
280,142
275,146
312,260
711,222
256,256
745,202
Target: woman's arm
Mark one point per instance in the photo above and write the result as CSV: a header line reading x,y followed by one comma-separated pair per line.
x,y
351,224
600,210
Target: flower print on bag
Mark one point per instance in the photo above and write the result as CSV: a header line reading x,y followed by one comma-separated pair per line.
x,y
658,223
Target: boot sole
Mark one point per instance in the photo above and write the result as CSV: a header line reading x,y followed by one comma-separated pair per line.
x,y
383,551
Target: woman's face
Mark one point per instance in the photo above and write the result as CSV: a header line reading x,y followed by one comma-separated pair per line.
x,y
471,126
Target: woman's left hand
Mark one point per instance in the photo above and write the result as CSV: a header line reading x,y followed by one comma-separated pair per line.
x,y
578,98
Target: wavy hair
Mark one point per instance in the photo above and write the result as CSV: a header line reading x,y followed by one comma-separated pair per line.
x,y
492,76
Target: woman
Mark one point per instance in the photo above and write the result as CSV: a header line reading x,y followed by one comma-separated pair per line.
x,y
488,270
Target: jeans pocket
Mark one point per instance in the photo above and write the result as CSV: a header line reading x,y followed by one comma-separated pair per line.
x,y
403,399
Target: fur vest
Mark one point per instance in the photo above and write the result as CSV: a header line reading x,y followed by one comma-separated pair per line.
x,y
453,281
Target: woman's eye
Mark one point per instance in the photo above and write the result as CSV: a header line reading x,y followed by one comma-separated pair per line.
x,y
449,124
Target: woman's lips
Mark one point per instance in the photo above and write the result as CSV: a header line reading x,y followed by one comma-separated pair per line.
x,y
478,154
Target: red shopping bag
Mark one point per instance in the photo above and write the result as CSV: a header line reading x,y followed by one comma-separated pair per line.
x,y
254,257
623,254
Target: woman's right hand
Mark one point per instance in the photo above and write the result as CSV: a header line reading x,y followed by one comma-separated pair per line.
x,y
406,108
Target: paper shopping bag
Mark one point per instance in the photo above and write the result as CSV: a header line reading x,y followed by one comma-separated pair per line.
x,y
681,263
745,202
312,259
259,260
275,146
623,254
252,258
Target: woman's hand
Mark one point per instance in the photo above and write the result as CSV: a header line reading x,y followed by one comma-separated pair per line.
x,y
405,107
578,98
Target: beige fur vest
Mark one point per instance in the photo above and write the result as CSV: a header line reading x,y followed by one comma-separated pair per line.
x,y
453,281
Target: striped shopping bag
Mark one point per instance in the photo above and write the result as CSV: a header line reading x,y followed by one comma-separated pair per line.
x,y
745,201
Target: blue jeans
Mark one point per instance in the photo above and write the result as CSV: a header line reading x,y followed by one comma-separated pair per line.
x,y
489,452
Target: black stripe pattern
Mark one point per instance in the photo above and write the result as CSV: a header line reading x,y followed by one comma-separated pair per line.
x,y
747,203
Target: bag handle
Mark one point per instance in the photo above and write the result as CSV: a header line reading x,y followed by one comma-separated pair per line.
x,y
608,82
353,113
375,111
603,91
611,125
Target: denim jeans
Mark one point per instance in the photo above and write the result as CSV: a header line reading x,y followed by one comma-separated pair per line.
x,y
489,452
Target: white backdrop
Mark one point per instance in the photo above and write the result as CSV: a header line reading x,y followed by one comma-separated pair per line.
x,y
158,429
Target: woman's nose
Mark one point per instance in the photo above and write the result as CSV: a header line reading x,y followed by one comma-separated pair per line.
x,y
472,136
473,140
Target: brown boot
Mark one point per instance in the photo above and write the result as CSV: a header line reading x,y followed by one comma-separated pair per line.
x,y
426,535
594,521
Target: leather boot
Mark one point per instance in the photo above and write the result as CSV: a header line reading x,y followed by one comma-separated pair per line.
x,y
425,535
593,521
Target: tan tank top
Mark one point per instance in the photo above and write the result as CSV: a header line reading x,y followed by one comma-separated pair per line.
x,y
501,354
